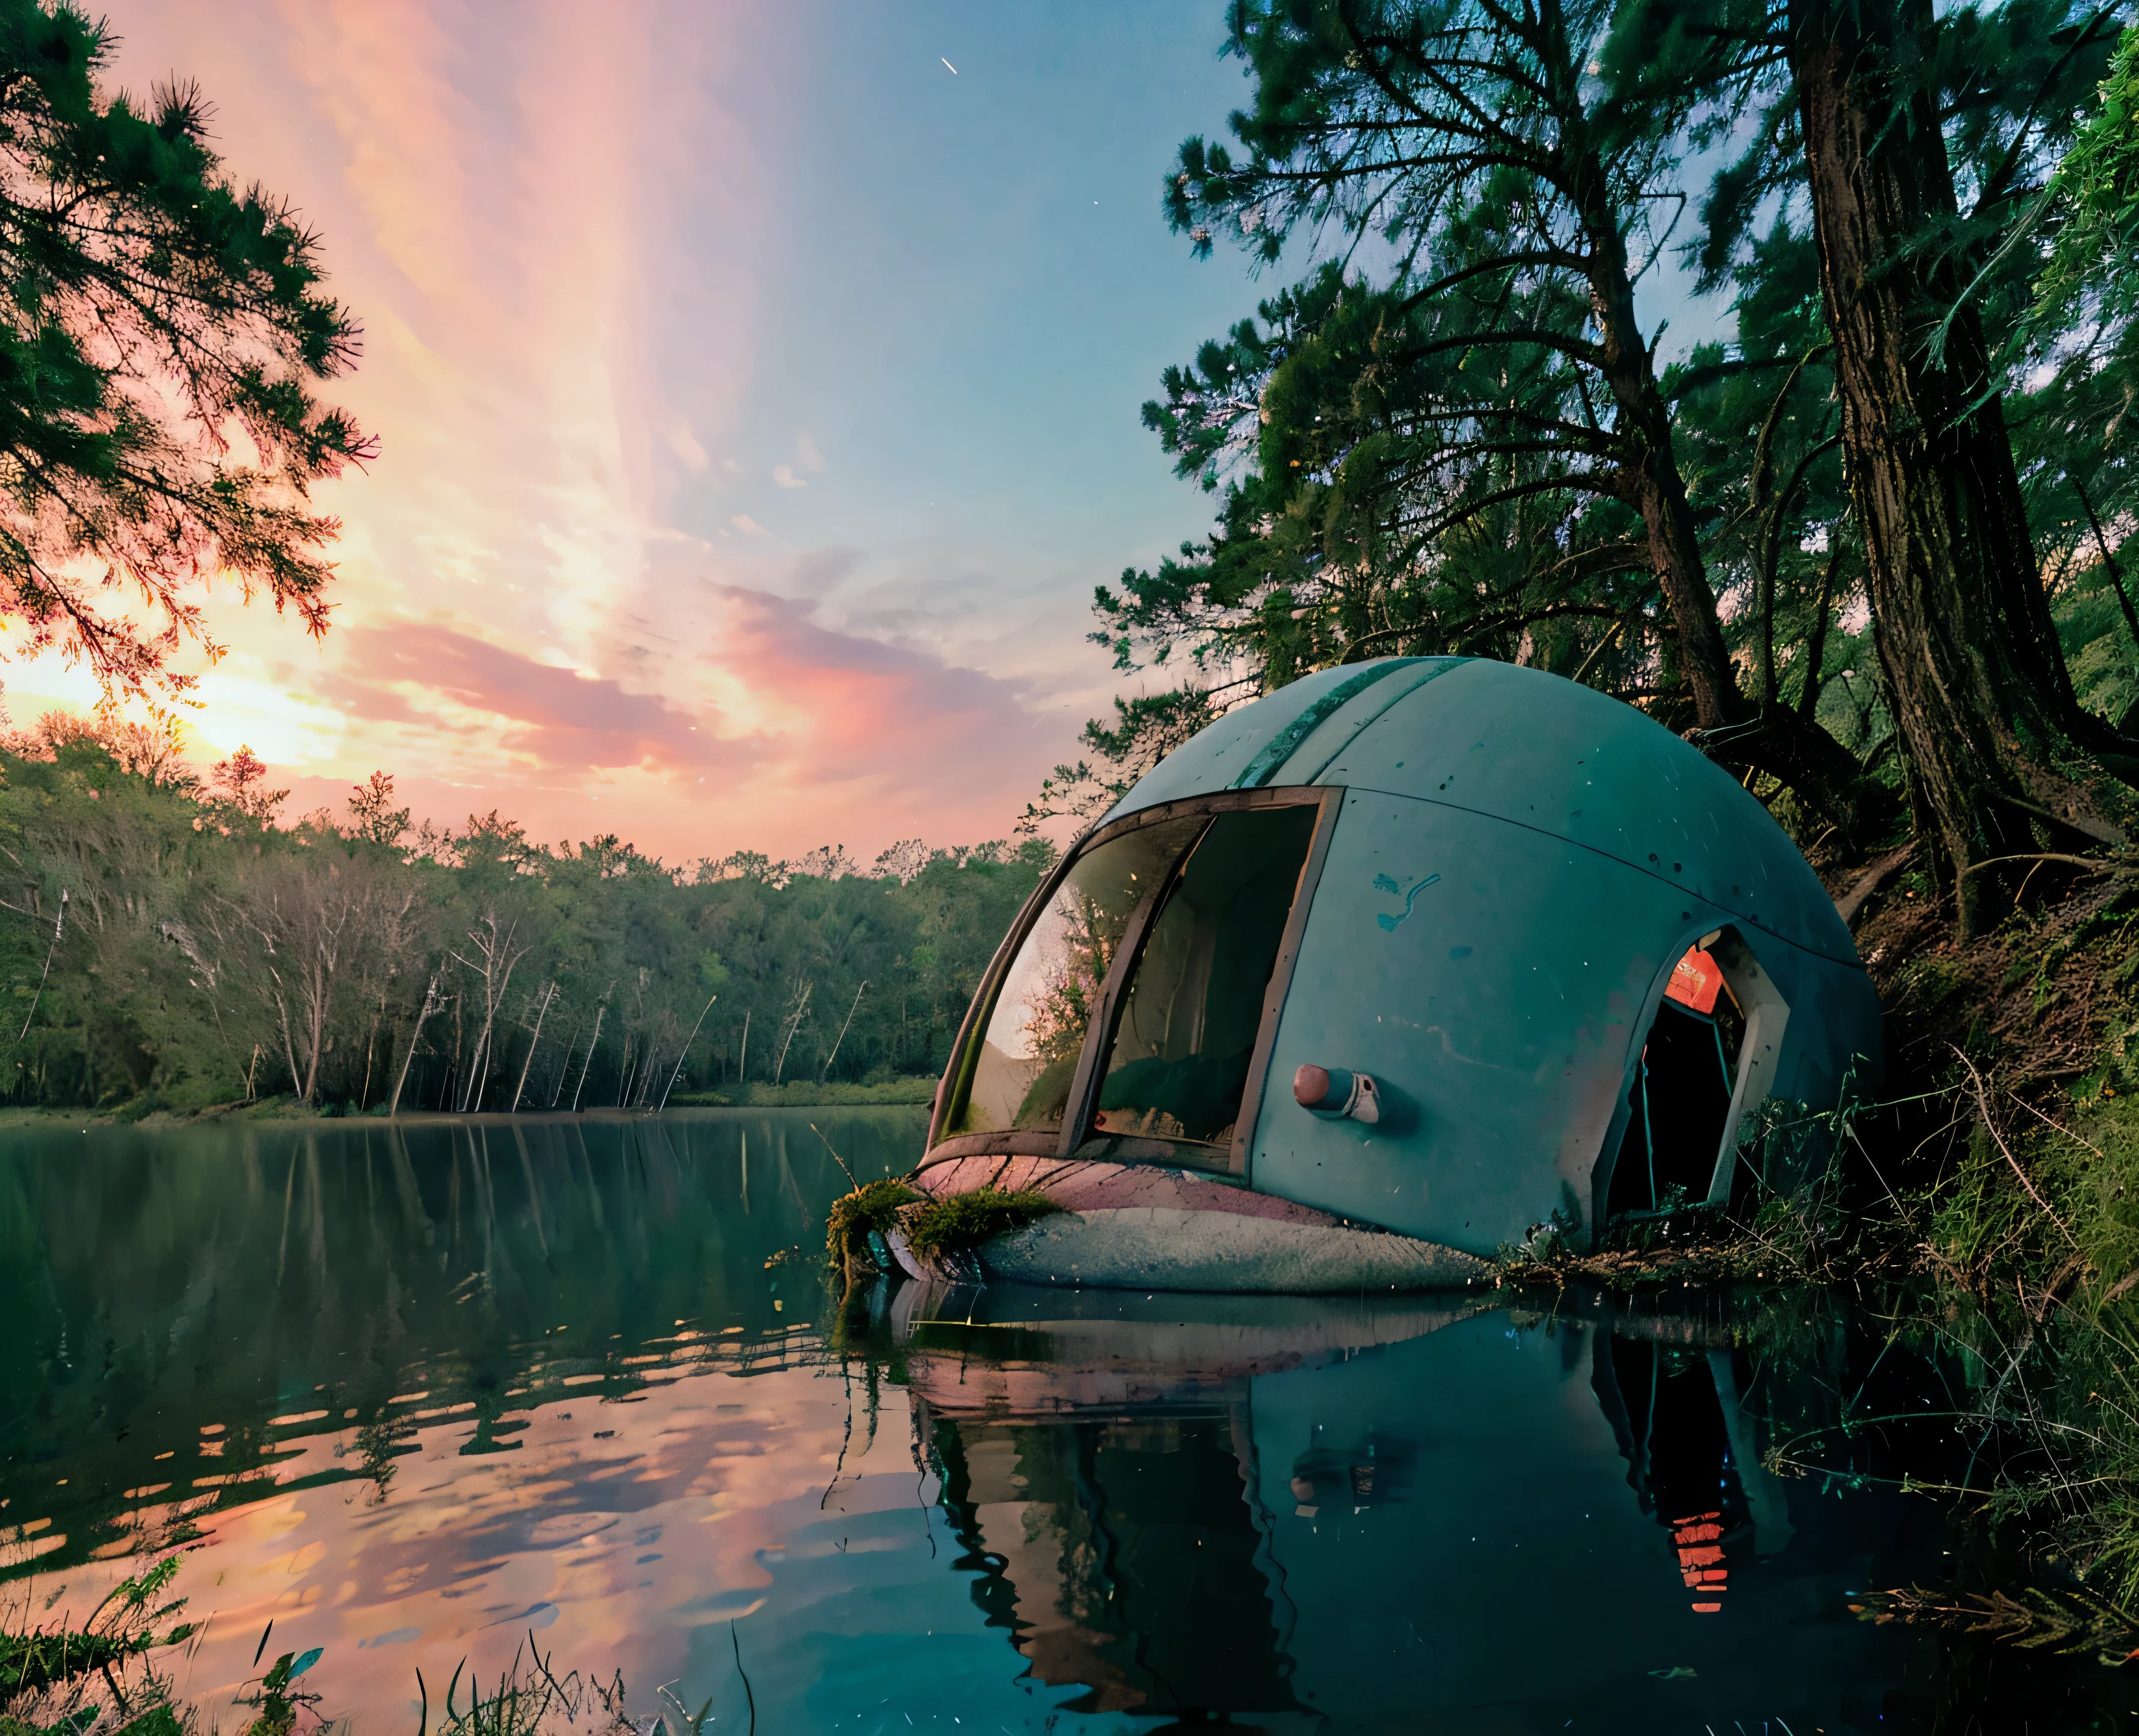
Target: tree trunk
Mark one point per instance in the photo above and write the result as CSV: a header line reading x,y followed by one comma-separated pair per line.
x,y
1768,736
401,1079
289,1046
315,1019
1650,481
589,1061
533,1043
1976,683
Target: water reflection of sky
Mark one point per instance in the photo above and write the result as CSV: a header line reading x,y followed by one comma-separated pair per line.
x,y
424,1394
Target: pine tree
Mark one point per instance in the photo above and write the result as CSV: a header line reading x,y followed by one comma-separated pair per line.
x,y
152,307
1489,420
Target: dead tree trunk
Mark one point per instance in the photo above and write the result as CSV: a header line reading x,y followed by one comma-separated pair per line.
x,y
825,1071
685,1054
794,1025
493,947
549,994
401,1079
589,1060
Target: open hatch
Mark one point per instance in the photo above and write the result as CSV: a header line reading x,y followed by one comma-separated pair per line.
x,y
1707,1058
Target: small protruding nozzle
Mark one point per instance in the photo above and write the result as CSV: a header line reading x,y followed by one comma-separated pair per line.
x,y
1336,1091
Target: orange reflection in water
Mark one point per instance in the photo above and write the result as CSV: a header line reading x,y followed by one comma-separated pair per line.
x,y
1698,1537
610,1530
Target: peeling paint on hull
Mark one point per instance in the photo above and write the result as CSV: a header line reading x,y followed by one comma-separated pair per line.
x,y
1155,1248
1142,1227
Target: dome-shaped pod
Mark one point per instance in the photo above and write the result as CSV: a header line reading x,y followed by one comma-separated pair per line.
x,y
1533,749
1470,883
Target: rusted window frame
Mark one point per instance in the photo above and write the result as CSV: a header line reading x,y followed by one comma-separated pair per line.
x,y
1076,1137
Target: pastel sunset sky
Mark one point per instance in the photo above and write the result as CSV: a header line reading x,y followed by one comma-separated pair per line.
x,y
757,398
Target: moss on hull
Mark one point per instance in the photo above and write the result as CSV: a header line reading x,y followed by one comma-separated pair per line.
x,y
869,1209
934,1229
963,1221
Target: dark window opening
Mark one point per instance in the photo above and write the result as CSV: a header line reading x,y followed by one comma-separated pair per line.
x,y
1185,1034
1121,1556
1679,1101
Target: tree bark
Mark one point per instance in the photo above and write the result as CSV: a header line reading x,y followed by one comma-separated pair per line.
x,y
1649,478
1975,680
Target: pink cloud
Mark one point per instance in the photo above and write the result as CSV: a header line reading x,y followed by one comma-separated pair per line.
x,y
843,707
565,718
866,710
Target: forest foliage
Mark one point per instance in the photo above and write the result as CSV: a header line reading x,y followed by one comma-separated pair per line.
x,y
1860,545
165,944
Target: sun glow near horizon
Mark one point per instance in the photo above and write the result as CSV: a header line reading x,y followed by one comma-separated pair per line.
x,y
603,574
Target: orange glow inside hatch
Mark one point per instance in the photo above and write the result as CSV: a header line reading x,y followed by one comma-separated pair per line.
x,y
1696,980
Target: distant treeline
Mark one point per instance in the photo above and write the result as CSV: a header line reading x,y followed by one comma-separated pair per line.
x,y
164,943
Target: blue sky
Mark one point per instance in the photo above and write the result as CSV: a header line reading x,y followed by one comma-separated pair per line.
x,y
758,398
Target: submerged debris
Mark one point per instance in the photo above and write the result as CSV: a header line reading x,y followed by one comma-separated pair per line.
x,y
1788,1241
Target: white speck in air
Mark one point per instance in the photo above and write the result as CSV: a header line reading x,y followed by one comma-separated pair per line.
x,y
954,73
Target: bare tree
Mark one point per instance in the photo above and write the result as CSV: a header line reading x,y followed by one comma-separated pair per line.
x,y
683,1053
825,1071
590,1059
541,1012
496,954
795,1018
431,1004
315,915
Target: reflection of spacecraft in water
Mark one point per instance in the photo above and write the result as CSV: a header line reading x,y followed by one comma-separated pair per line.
x,y
1102,1472
1690,1453
1214,1505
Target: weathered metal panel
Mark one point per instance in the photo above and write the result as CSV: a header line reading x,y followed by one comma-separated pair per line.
x,y
1496,981
1529,748
1249,748
1562,759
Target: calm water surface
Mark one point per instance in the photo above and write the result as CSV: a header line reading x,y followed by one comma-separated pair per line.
x,y
421,1391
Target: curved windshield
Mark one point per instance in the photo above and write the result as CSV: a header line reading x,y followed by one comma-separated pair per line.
x,y
1036,1029
1178,1067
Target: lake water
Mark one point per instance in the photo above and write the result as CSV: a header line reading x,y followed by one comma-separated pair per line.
x,y
424,1390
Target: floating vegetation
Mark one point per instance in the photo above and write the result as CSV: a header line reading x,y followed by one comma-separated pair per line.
x,y
2070,1620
